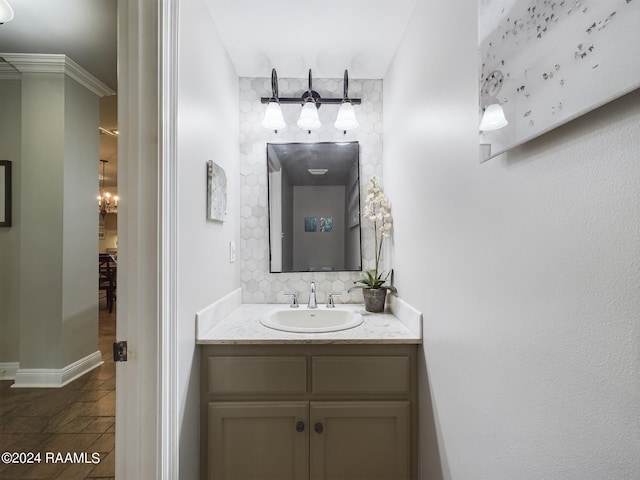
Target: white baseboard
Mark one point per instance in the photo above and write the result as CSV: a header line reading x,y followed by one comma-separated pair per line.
x,y
56,377
8,370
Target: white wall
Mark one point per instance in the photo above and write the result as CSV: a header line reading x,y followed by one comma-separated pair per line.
x,y
316,250
207,130
525,269
109,227
10,99
59,163
41,269
80,223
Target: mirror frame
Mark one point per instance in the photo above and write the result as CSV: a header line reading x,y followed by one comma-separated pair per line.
x,y
357,203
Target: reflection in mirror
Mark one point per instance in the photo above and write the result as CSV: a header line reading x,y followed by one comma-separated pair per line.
x,y
314,207
545,63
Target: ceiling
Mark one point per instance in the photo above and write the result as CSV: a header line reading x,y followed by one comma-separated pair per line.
x,y
83,30
296,35
86,32
339,160
291,35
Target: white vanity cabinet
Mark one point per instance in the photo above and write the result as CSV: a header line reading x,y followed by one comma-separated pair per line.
x,y
330,412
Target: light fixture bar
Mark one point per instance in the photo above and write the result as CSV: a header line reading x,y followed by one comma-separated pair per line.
x,y
302,99
311,101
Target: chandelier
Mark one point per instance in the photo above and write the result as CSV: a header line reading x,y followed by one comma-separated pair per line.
x,y
107,203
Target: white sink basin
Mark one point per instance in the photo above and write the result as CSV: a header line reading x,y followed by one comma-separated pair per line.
x,y
304,320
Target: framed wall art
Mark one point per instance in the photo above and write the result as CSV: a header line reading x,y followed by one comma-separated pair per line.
x,y
310,224
546,62
216,192
326,224
5,193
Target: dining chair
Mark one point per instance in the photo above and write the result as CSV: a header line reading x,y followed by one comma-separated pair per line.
x,y
107,276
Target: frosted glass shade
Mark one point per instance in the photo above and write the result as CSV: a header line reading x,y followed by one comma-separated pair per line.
x,y
346,119
6,12
308,119
493,118
273,119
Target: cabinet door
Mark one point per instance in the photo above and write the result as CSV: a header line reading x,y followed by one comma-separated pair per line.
x,y
364,440
258,441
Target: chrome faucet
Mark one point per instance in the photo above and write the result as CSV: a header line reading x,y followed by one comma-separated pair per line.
x,y
294,299
312,296
331,303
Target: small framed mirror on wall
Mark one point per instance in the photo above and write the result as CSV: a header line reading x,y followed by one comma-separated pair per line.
x,y
314,207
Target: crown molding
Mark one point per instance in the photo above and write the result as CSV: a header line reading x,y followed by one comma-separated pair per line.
x,y
53,63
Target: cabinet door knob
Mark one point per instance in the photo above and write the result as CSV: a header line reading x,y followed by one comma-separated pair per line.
x,y
319,428
300,427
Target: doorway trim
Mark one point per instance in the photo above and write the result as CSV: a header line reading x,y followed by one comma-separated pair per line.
x,y
168,229
147,413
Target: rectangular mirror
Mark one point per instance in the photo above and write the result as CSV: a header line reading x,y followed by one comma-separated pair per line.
x,y
314,207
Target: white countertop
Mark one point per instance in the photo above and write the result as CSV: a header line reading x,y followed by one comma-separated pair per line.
x,y
241,326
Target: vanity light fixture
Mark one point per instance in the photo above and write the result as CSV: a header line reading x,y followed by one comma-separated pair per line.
x,y
6,12
310,101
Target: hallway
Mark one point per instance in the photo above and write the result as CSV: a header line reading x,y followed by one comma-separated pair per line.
x,y
77,418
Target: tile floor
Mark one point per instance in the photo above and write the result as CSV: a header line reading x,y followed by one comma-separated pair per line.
x,y
79,417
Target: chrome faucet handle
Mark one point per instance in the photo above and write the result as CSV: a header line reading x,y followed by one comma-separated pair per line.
x,y
294,299
330,302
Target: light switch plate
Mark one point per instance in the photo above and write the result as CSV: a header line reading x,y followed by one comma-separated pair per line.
x,y
232,251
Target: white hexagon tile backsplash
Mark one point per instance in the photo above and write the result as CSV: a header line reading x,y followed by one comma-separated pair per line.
x,y
258,284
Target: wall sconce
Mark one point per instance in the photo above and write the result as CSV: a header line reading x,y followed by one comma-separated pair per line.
x,y
346,119
493,117
273,119
308,119
6,12
310,101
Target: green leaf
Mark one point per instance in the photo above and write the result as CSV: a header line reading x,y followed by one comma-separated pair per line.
x,y
373,279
